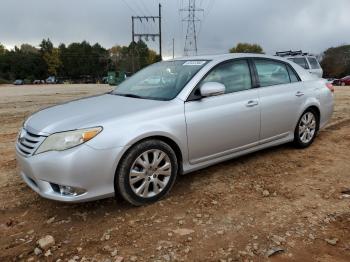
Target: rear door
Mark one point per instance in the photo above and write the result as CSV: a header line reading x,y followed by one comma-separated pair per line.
x,y
281,96
220,125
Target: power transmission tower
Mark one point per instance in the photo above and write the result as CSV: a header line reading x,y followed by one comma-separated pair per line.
x,y
148,35
191,33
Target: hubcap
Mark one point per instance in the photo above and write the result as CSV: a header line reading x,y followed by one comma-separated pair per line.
x,y
307,127
150,173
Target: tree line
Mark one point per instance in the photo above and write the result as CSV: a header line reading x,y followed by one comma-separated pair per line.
x,y
75,61
78,61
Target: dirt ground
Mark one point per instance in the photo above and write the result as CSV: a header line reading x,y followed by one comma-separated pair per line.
x,y
239,210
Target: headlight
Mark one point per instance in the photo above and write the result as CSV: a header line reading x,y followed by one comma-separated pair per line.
x,y
65,140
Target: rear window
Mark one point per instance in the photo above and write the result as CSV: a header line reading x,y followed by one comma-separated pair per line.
x,y
300,61
292,75
313,62
272,72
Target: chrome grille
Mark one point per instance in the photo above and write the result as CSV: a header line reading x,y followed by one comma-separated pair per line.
x,y
28,142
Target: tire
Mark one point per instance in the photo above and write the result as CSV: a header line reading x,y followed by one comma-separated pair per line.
x,y
305,137
343,84
146,172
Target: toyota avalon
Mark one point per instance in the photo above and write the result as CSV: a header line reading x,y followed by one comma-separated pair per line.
x,y
171,118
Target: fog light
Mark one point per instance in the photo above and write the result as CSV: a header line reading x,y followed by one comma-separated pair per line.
x,y
71,191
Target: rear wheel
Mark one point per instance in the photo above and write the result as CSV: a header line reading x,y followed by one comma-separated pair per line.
x,y
307,128
147,172
343,84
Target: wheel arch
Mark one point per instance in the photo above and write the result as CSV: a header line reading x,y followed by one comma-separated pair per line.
x,y
161,137
316,110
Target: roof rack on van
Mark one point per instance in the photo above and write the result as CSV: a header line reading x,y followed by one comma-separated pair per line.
x,y
290,53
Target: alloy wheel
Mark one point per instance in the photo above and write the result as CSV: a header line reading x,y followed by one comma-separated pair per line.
x,y
307,127
150,173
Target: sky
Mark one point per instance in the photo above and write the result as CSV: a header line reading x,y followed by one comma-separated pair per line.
x,y
310,25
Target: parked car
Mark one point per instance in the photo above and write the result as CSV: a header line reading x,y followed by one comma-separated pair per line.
x,y
345,81
18,82
51,80
331,80
38,82
135,140
305,60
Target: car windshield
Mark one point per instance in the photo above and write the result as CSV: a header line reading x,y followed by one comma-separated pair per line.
x,y
160,81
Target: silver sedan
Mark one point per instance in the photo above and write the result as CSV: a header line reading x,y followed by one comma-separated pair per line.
x,y
170,118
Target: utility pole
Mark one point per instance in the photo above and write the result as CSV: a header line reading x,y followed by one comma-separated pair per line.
x,y
147,35
191,33
173,48
133,41
160,30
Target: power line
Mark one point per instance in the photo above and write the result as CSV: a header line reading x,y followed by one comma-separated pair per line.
x,y
145,7
131,9
206,15
191,33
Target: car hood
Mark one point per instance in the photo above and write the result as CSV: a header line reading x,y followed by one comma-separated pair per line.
x,y
87,112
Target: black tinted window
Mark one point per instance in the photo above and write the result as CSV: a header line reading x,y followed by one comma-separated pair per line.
x,y
235,76
271,73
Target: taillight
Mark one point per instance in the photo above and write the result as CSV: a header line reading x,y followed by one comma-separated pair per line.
x,y
330,87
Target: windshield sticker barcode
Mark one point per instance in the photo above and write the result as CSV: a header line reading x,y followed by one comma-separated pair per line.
x,y
194,63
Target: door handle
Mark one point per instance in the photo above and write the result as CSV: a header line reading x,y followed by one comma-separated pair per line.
x,y
252,103
299,93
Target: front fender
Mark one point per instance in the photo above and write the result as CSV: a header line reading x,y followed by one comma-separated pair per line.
x,y
168,122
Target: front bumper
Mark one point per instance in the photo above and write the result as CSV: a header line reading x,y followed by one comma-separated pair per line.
x,y
82,167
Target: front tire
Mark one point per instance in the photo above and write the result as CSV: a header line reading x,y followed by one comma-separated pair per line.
x,y
306,129
146,172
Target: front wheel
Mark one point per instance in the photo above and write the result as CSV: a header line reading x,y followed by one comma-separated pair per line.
x,y
306,130
146,172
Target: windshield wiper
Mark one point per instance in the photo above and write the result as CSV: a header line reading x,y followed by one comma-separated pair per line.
x,y
129,95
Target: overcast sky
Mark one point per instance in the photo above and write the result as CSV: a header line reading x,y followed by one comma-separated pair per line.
x,y
310,25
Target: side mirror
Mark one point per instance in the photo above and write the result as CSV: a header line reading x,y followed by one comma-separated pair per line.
x,y
212,89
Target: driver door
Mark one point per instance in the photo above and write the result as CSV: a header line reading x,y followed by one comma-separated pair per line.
x,y
221,125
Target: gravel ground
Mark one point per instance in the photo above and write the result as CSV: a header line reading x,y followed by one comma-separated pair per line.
x,y
280,199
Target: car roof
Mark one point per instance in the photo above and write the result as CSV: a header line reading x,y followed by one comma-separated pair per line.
x,y
222,57
300,56
215,59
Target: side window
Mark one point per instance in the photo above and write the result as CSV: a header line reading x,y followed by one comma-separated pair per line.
x,y
300,61
313,62
293,76
271,72
234,75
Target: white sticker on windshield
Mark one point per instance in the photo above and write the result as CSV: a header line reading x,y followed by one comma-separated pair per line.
x,y
194,63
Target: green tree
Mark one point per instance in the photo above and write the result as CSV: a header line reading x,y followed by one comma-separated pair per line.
x,y
81,60
27,48
336,61
247,48
46,45
52,60
2,49
51,56
153,57
120,59
18,64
